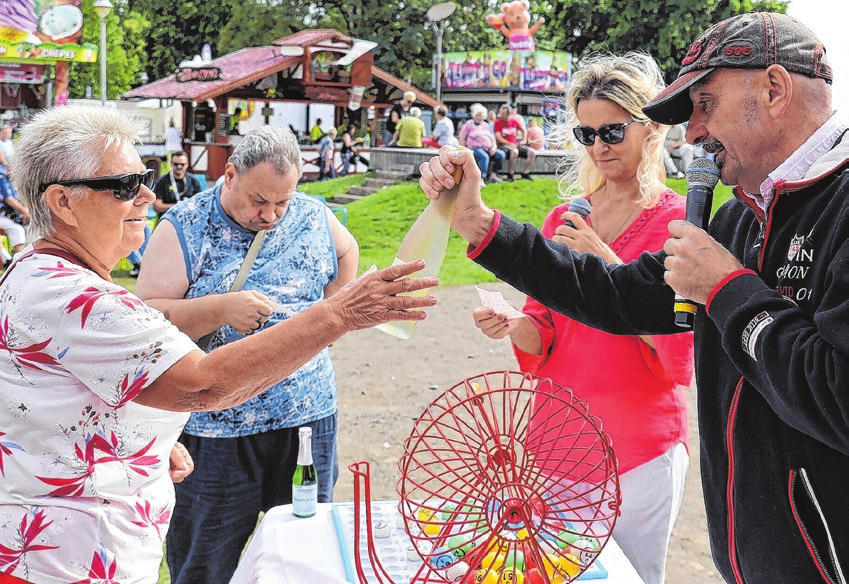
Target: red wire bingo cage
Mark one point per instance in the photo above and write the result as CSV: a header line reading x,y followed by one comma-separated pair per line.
x,y
506,478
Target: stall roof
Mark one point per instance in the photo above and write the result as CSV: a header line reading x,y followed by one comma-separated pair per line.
x,y
250,65
404,86
237,69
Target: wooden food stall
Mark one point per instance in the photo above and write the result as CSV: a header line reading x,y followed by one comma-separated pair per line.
x,y
308,67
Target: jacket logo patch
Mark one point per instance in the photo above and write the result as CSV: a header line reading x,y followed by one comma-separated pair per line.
x,y
795,246
753,331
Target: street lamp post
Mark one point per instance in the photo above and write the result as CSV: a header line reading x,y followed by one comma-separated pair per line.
x,y
438,13
102,8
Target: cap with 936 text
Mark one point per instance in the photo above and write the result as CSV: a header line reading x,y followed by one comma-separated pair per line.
x,y
755,40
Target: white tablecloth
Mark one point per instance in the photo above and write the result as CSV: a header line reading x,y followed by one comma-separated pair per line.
x,y
289,550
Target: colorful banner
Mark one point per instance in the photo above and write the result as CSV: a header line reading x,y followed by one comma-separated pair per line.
x,y
531,70
45,36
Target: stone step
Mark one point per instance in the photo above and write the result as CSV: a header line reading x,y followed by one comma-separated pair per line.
x,y
379,183
346,198
395,174
360,191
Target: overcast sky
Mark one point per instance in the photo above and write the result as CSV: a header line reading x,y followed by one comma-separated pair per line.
x,y
828,18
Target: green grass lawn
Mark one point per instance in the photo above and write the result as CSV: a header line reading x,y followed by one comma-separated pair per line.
x,y
380,221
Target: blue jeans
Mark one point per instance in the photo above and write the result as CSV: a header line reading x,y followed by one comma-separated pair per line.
x,y
234,479
482,158
322,174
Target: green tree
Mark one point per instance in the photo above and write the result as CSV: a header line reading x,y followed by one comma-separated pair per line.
x,y
254,23
125,52
662,28
178,30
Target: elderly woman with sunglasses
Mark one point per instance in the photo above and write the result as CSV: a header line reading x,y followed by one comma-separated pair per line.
x,y
636,385
96,385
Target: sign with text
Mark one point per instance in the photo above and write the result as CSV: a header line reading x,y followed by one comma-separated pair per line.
x,y
204,73
24,73
546,71
321,94
43,32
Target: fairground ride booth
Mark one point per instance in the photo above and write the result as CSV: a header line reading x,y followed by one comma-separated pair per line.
x,y
310,67
534,81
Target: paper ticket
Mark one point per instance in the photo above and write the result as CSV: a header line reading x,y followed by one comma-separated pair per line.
x,y
496,301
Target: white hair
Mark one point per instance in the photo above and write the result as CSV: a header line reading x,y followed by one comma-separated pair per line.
x,y
63,143
477,108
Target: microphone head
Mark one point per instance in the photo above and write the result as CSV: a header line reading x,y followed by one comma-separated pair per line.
x,y
581,207
702,171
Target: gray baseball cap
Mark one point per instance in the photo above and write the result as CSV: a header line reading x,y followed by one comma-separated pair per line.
x,y
748,41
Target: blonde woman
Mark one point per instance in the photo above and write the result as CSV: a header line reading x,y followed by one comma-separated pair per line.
x,y
635,384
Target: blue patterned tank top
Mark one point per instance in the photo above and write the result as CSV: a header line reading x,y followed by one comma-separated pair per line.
x,y
296,261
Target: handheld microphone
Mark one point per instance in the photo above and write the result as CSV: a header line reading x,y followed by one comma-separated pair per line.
x,y
581,207
702,176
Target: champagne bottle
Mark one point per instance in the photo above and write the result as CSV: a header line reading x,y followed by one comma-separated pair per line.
x,y
305,480
428,239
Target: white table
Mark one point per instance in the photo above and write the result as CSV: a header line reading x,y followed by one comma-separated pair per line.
x,y
287,549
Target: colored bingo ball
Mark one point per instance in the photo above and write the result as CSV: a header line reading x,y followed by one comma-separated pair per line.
x,y
456,570
447,511
485,576
460,545
442,558
585,550
509,576
424,514
560,568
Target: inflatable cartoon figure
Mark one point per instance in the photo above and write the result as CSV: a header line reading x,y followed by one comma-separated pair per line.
x,y
513,22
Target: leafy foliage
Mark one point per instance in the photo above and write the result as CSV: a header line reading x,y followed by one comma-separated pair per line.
x,y
126,35
406,40
179,29
661,28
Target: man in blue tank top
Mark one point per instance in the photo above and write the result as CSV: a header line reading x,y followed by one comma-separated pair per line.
x,y
245,456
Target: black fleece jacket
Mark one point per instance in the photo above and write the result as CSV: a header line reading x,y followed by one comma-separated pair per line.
x,y
772,366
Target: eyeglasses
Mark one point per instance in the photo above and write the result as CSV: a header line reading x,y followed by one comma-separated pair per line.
x,y
609,133
124,187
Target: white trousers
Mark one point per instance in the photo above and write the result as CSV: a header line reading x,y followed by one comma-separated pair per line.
x,y
15,233
651,499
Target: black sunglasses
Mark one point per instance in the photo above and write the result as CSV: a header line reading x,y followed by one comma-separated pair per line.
x,y
179,164
124,187
609,133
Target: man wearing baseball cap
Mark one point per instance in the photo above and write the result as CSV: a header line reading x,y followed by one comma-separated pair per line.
x,y
772,339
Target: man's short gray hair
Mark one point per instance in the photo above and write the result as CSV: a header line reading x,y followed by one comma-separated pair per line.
x,y
277,146
63,143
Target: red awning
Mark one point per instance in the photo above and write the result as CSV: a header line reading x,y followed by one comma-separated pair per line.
x,y
237,70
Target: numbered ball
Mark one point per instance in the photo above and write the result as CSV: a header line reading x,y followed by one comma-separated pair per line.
x,y
442,558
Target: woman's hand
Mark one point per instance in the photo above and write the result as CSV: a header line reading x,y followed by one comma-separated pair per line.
x,y
181,463
581,238
375,297
495,326
524,335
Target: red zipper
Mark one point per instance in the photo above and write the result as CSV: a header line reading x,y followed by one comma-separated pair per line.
x,y
729,438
